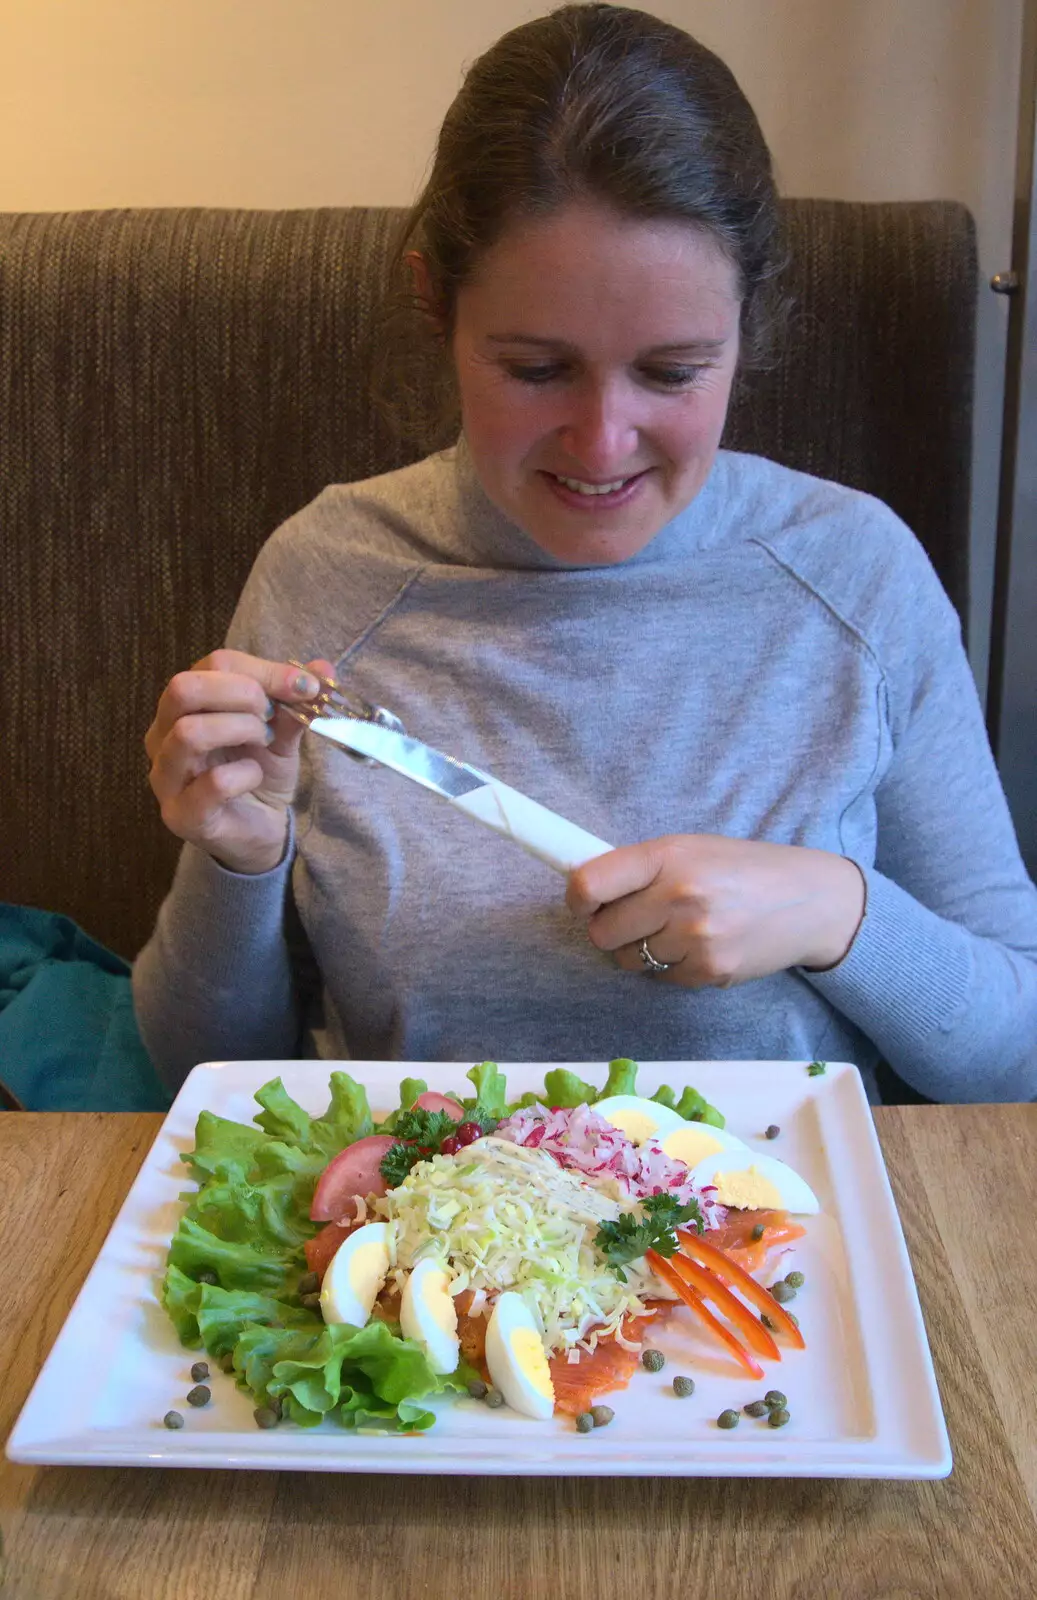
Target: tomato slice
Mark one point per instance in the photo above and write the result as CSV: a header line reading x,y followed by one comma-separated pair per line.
x,y
710,1287
693,1300
699,1249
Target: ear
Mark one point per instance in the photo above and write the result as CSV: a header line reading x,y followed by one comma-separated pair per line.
x,y
422,282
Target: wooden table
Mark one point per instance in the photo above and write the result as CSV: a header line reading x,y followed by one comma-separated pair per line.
x,y
966,1184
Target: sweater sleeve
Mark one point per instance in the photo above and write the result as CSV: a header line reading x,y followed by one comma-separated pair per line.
x,y
942,975
215,980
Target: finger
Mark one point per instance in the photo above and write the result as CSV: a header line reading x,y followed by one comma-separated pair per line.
x,y
218,683
606,878
279,678
288,730
194,813
184,753
628,956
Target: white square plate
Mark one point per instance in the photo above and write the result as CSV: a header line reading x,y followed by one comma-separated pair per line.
x,y
863,1395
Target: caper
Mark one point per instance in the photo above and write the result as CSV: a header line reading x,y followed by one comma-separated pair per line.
x,y
266,1417
208,1276
783,1292
792,1318
200,1371
765,1319
226,1361
309,1283
602,1415
200,1395
756,1408
759,1231
585,1423
310,1301
173,1419
653,1360
795,1280
774,1397
494,1398
778,1417
683,1387
772,1131
727,1419
477,1389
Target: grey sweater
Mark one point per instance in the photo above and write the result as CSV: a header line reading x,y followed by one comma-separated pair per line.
x,y
779,663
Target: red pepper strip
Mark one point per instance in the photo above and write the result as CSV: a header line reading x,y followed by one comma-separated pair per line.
x,y
708,1254
693,1301
710,1288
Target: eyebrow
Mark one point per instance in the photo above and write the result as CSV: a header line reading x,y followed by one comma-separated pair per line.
x,y
704,345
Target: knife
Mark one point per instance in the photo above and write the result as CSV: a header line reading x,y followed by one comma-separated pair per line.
x,y
544,834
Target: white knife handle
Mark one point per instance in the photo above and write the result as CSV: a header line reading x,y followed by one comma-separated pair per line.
x,y
562,845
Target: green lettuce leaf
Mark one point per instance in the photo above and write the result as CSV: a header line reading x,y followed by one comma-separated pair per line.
x,y
491,1092
564,1088
224,1147
347,1118
410,1090
258,1264
622,1078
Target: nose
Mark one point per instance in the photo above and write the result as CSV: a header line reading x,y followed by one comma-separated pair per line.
x,y
600,432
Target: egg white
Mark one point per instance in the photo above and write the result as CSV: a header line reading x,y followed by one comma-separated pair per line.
x,y
428,1314
516,1360
356,1273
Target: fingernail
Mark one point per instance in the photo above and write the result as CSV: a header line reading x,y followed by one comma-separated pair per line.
x,y
305,684
269,735
270,712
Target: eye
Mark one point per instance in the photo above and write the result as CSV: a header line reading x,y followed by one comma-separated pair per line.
x,y
676,377
541,374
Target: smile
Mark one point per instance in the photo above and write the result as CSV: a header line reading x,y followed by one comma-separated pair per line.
x,y
579,487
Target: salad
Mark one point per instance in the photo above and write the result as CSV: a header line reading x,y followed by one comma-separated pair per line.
x,y
518,1251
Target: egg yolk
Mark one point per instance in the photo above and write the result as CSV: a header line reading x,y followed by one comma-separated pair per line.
x,y
748,1190
691,1145
635,1124
530,1358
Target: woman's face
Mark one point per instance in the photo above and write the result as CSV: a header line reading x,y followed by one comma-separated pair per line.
x,y
594,357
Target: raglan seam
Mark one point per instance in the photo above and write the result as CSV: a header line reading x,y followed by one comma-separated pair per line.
x,y
861,644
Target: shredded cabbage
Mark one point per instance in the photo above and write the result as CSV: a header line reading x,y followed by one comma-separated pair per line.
x,y
507,1217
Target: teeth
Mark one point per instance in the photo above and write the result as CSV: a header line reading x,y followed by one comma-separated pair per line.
x,y
592,488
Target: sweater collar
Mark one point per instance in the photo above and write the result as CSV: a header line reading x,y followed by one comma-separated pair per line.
x,y
489,538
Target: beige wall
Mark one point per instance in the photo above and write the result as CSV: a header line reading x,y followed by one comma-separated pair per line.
x,y
336,102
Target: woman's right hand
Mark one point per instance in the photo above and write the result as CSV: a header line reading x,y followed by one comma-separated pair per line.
x,y
225,759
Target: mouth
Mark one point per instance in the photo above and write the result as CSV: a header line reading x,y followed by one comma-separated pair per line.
x,y
585,495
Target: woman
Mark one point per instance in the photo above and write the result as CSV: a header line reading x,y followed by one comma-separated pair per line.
x,y
746,678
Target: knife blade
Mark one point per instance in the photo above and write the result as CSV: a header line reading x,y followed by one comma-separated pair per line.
x,y
551,838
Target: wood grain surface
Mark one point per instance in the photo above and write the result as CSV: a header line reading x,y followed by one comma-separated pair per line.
x,y
965,1179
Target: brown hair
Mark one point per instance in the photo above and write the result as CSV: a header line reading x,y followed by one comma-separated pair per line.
x,y
593,102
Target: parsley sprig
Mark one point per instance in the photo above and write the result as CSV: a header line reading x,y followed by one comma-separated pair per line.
x,y
631,1235
418,1134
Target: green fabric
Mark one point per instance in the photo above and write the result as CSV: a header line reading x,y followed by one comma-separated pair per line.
x,y
68,1035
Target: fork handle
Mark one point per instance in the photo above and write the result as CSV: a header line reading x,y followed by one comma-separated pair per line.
x,y
549,837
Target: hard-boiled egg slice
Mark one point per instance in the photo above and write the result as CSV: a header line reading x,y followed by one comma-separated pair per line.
x,y
755,1182
516,1359
428,1314
358,1269
638,1118
693,1141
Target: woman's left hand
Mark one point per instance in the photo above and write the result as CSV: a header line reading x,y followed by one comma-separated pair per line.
x,y
720,911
